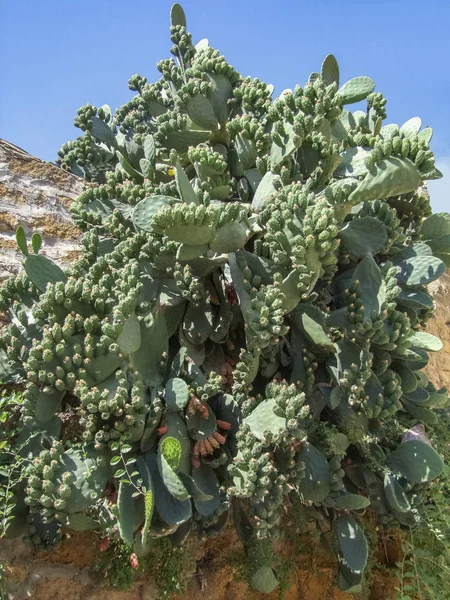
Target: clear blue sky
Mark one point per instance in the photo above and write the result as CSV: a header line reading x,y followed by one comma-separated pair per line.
x,y
56,55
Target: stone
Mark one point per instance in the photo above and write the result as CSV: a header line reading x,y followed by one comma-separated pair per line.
x,y
149,591
36,195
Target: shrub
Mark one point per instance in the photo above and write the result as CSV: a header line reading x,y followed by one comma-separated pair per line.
x,y
246,322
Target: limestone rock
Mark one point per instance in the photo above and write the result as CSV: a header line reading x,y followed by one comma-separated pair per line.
x,y
36,195
438,369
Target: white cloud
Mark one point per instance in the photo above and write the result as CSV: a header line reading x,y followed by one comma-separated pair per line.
x,y
440,188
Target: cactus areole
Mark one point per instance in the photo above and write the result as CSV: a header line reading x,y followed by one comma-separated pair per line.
x,y
246,324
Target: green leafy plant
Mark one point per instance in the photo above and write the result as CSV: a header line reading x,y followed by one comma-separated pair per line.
x,y
114,563
13,461
425,569
2,577
246,323
167,565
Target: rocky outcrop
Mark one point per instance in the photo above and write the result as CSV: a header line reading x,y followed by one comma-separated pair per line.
x,y
438,369
36,195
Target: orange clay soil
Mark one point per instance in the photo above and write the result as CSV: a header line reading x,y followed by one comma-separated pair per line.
x,y
312,574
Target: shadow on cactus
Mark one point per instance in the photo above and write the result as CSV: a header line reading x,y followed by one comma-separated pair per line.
x,y
246,322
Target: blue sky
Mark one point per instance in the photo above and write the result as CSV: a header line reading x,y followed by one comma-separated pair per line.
x,y
56,55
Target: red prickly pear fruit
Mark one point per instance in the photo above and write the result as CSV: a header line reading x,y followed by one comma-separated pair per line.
x,y
104,544
134,561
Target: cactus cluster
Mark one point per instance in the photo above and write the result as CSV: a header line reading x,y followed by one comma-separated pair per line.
x,y
245,325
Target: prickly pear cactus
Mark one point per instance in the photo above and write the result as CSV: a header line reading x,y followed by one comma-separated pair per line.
x,y
246,323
